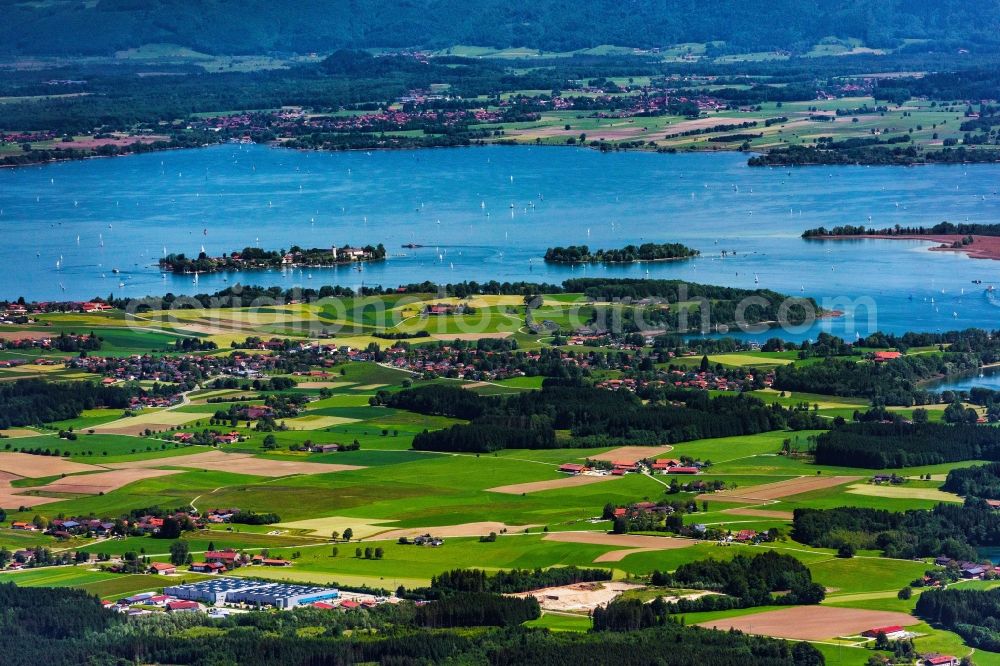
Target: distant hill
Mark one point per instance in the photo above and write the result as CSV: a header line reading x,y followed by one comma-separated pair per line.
x,y
72,27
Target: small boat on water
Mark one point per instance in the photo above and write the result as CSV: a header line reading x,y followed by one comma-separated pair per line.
x,y
411,246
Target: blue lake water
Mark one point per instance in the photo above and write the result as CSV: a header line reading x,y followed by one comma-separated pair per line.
x,y
991,554
96,215
987,378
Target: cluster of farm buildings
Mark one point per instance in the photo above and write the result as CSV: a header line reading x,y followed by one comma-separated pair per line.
x,y
622,467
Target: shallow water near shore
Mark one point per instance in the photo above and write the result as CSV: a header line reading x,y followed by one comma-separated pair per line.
x,y
489,214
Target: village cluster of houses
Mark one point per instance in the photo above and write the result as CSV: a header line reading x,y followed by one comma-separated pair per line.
x,y
231,437
705,381
145,603
221,561
968,570
622,467
184,368
11,311
143,525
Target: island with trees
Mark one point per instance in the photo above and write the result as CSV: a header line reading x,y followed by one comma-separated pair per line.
x,y
581,254
254,258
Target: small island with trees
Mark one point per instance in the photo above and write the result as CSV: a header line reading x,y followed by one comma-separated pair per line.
x,y
978,241
581,254
253,258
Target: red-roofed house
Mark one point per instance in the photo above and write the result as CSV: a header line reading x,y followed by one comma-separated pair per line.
x,y
882,356
208,567
938,660
227,557
162,568
682,470
95,307
892,632
183,606
322,605
572,468
348,604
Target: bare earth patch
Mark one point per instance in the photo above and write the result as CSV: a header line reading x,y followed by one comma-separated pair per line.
x,y
620,540
102,482
760,513
578,597
137,429
24,335
475,385
8,500
779,489
632,453
14,433
237,463
496,335
362,527
812,623
463,530
552,484
23,464
322,385
902,492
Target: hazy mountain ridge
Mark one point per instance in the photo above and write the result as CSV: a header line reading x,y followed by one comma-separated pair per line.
x,y
256,26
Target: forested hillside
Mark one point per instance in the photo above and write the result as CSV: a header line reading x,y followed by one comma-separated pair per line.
x,y
255,26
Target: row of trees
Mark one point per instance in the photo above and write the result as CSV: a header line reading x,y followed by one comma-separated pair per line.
x,y
895,382
595,417
879,445
36,401
948,529
977,481
939,229
752,581
514,580
972,614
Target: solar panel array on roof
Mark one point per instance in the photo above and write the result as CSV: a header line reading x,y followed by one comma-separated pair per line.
x,y
248,591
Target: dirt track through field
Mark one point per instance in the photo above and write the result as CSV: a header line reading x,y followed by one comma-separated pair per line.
x,y
552,484
812,623
779,489
619,555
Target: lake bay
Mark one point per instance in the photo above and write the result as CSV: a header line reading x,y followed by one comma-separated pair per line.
x,y
489,214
